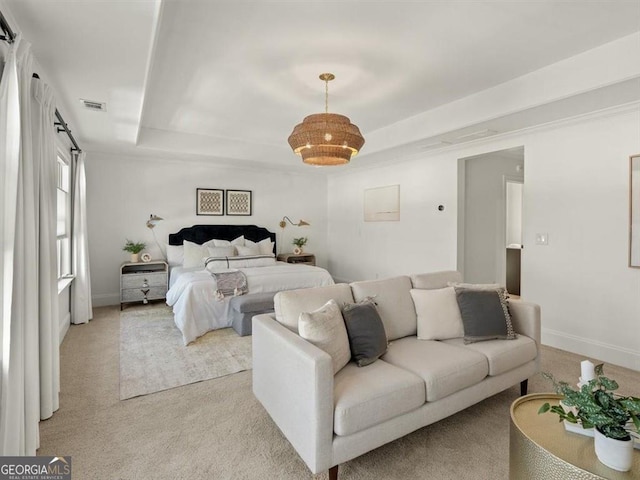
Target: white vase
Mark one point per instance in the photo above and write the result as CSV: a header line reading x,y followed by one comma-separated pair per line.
x,y
616,454
135,257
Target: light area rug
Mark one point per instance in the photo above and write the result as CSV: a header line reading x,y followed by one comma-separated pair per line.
x,y
154,358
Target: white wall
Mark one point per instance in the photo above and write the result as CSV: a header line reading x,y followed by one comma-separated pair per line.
x,y
123,192
576,190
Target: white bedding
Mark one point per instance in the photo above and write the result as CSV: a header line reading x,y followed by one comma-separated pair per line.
x,y
192,293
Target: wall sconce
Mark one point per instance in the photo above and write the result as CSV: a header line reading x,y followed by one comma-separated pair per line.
x,y
300,223
153,221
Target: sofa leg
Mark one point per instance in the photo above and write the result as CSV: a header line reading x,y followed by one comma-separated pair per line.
x,y
333,473
523,387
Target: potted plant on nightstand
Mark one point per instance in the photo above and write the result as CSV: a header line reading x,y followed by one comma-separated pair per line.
x,y
134,249
299,243
615,418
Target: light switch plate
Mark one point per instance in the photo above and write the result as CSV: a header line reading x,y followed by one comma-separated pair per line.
x,y
542,239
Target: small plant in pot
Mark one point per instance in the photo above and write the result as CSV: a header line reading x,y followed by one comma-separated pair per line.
x,y
299,243
134,249
615,418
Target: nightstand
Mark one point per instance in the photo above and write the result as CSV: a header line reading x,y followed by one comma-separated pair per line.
x,y
141,282
305,258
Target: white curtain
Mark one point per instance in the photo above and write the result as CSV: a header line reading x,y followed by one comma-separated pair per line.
x,y
29,326
81,308
44,158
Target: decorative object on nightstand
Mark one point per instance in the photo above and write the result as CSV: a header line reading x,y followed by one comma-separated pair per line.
x,y
145,257
302,258
134,249
141,282
299,243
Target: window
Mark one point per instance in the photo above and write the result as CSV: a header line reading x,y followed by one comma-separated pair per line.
x,y
63,206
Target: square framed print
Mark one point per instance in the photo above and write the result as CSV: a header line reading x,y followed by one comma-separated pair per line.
x,y
382,204
238,202
209,201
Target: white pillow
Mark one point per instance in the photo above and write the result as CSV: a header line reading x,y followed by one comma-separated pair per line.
x,y
438,314
265,246
229,251
326,330
194,254
175,255
245,251
225,243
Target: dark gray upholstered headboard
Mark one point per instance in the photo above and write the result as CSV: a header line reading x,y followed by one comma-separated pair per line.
x,y
203,233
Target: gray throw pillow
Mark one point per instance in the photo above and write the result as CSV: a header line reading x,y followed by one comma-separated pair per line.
x,y
485,315
367,338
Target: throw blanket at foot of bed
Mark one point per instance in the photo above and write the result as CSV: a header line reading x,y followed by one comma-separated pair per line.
x,y
230,284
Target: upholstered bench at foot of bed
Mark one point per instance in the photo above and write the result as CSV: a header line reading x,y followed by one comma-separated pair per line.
x,y
243,308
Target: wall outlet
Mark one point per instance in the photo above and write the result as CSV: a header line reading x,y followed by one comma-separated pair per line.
x,y
542,239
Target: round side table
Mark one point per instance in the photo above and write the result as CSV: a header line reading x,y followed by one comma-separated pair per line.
x,y
539,447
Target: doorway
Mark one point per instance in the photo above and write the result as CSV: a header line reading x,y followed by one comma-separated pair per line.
x,y
490,200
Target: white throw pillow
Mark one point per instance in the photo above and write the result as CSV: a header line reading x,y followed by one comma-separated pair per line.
x,y
326,330
228,251
265,246
225,243
438,314
175,255
245,251
194,254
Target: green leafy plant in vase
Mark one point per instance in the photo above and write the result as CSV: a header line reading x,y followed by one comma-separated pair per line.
x,y
615,418
299,243
134,249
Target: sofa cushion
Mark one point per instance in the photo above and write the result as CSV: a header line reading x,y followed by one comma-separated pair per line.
x,y
367,338
367,396
485,314
325,328
444,368
394,304
433,280
289,304
438,313
502,356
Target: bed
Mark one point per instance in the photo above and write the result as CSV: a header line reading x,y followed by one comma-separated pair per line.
x,y
194,295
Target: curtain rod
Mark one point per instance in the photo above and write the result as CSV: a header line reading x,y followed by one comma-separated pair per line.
x,y
9,36
63,127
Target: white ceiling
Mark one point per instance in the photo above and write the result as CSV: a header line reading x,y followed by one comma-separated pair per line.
x,y
229,79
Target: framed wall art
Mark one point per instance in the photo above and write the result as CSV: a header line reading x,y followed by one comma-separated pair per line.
x,y
634,211
382,204
238,202
209,201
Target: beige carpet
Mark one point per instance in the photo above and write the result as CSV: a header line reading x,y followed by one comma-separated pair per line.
x,y
218,430
153,356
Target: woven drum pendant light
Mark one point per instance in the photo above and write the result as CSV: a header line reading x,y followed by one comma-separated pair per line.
x,y
326,138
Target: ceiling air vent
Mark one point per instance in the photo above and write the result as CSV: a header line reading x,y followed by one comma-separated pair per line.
x,y
95,106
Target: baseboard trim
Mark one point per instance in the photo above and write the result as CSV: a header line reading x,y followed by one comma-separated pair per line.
x,y
64,326
105,299
613,354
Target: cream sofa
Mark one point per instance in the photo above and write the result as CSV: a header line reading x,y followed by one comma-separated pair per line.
x,y
332,419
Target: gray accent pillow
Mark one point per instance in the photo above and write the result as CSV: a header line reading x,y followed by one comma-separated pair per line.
x,y
485,314
367,338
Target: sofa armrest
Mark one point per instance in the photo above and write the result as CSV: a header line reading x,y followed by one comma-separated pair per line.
x,y
525,317
293,379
